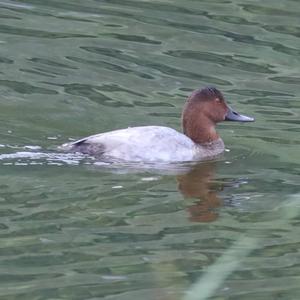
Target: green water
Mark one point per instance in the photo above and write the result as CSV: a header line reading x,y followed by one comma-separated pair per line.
x,y
73,229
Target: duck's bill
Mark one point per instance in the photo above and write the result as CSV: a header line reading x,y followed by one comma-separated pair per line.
x,y
234,116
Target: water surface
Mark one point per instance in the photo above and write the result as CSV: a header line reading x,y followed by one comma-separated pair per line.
x,y
71,228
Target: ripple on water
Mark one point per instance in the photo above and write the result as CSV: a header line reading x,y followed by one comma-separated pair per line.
x,y
6,29
94,94
224,60
162,68
133,38
24,158
72,227
111,67
5,60
26,88
287,79
265,10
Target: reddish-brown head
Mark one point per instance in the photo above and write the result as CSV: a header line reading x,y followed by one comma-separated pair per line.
x,y
203,110
210,103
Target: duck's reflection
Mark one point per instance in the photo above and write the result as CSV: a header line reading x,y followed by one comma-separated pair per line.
x,y
194,181
199,183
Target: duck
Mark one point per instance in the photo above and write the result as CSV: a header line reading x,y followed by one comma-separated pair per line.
x,y
199,140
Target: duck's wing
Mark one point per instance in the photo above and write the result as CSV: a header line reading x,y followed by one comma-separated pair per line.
x,y
87,145
105,143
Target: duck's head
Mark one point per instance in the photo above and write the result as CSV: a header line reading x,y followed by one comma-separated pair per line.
x,y
203,110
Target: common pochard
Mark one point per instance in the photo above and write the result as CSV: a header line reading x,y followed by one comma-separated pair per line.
x,y
199,141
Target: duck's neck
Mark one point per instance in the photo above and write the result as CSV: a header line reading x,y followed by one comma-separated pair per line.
x,y
201,131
